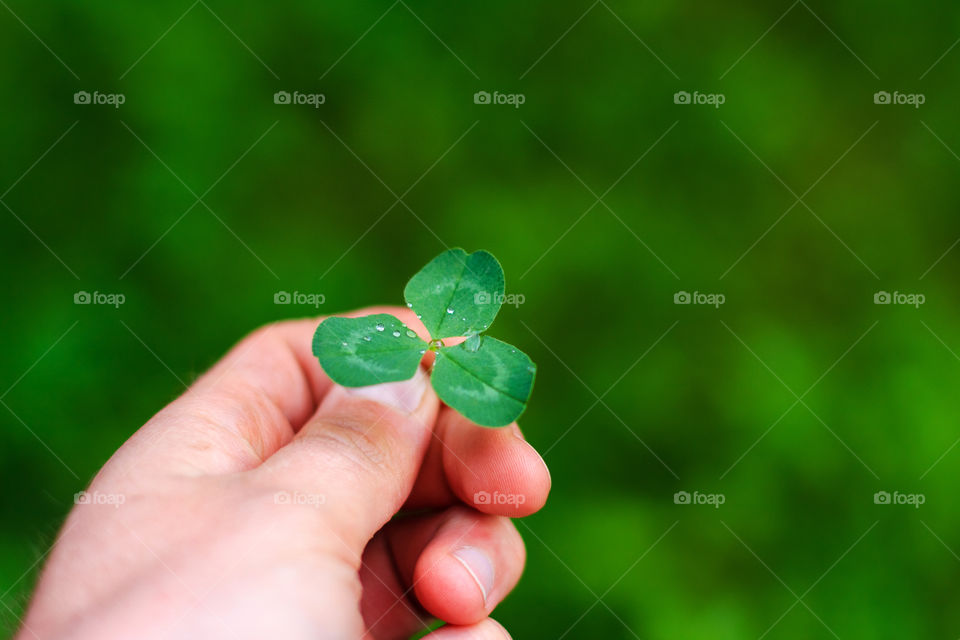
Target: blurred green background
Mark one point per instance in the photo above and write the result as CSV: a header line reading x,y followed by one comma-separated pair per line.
x,y
637,397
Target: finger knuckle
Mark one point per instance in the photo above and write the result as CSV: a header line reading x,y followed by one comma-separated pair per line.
x,y
355,441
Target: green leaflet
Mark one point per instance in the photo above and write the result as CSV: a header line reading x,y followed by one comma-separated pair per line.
x,y
457,293
489,385
356,352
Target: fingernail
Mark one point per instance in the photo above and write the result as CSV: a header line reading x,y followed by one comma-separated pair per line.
x,y
549,475
404,396
478,565
539,457
501,628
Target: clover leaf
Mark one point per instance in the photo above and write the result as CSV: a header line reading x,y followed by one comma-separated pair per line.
x,y
456,294
356,352
493,380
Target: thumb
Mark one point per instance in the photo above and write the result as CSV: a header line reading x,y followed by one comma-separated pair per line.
x,y
361,451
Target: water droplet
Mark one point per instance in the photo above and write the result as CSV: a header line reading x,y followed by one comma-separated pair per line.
x,y
450,311
396,334
422,351
463,319
411,333
436,344
419,317
409,305
379,326
531,369
472,343
366,338
344,344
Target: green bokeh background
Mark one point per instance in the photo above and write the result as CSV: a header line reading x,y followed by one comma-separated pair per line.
x,y
311,207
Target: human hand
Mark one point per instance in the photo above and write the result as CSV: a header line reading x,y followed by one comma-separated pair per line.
x,y
269,502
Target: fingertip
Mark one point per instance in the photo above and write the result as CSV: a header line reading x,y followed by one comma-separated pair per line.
x,y
454,585
471,563
536,477
478,565
487,629
495,471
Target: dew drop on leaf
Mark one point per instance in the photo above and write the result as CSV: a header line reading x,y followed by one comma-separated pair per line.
x,y
411,333
366,338
472,343
450,311
379,326
396,334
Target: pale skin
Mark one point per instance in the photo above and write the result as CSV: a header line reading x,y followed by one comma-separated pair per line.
x,y
268,502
